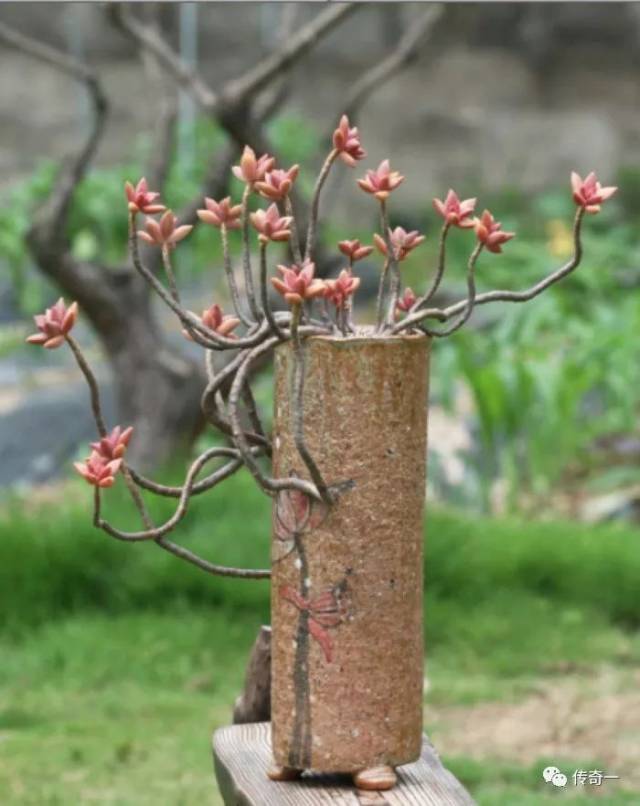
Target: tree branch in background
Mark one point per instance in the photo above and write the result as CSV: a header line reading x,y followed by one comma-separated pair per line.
x,y
51,220
45,53
164,131
151,39
297,45
163,148
406,51
270,100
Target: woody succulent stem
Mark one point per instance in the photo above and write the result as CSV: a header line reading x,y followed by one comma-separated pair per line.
x,y
443,314
315,203
298,409
171,277
231,280
96,408
184,493
296,249
394,266
264,294
267,483
471,297
92,383
435,285
380,297
246,255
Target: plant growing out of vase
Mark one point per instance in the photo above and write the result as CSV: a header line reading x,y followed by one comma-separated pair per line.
x,y
346,463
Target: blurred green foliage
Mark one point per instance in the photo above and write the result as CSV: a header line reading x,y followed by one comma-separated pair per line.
x,y
15,218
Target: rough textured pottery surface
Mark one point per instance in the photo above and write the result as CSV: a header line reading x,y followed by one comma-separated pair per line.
x,y
347,608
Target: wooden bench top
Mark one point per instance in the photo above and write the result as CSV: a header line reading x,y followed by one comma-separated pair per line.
x,y
242,755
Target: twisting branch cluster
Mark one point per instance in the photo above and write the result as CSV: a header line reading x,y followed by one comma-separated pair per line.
x,y
228,402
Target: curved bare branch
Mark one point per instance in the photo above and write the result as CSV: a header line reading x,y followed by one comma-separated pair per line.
x,y
469,302
169,491
181,509
50,228
503,295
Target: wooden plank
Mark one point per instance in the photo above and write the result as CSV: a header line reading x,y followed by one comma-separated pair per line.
x,y
242,755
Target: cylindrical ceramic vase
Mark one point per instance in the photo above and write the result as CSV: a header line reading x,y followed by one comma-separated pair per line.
x,y
347,601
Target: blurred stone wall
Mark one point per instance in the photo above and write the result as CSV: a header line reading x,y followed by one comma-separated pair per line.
x,y
502,94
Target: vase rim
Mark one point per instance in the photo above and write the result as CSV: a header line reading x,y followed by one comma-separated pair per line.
x,y
368,336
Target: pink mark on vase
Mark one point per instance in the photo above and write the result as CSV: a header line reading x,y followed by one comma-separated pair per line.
x,y
295,514
325,612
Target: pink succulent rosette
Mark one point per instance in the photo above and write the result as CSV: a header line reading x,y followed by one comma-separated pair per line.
x,y
98,471
277,183
402,242
346,141
298,284
406,302
114,445
141,199
222,213
252,169
588,193
307,263
338,291
490,234
54,324
456,213
164,233
216,320
354,250
270,225
381,182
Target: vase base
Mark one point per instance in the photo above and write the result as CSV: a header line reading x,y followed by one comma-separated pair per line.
x,y
278,773
375,779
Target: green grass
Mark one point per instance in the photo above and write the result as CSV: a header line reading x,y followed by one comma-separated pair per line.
x,y
500,648
500,783
118,661
118,711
